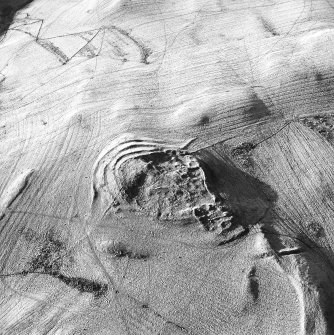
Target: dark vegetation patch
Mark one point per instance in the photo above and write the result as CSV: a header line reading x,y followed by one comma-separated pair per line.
x,y
319,76
258,110
84,285
243,154
119,250
133,189
204,120
323,124
47,45
243,149
253,284
315,229
8,9
50,256
268,26
49,261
